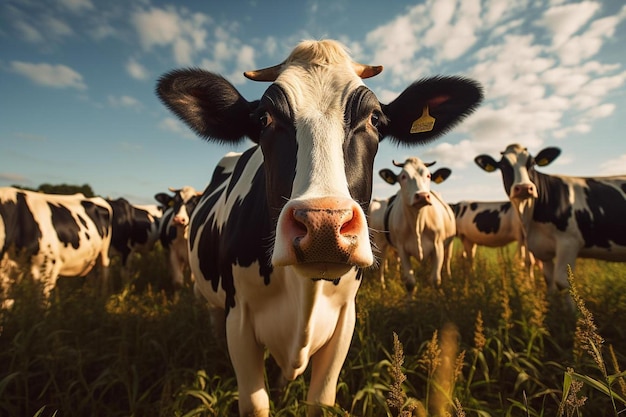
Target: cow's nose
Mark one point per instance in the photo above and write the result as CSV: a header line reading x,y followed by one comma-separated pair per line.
x,y
421,199
323,231
524,191
179,220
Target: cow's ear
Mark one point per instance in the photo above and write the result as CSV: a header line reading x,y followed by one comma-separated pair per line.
x,y
440,175
546,156
163,198
209,104
486,162
388,176
429,108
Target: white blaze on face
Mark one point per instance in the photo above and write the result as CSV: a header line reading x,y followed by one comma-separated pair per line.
x,y
318,102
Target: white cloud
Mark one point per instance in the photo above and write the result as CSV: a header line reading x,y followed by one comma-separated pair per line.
x,y
136,70
28,32
616,166
77,5
125,101
173,125
186,34
57,27
565,20
57,76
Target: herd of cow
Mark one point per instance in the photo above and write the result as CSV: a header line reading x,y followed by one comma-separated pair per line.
x,y
278,241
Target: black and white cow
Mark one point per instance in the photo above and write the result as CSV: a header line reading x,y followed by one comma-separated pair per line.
x,y
493,224
564,217
174,227
279,239
63,235
415,222
134,228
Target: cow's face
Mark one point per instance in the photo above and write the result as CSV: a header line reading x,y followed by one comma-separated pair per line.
x,y
182,204
318,127
414,180
517,167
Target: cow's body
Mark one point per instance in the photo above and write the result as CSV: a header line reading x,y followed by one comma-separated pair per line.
x,y
279,238
135,229
174,227
415,222
490,223
58,234
564,217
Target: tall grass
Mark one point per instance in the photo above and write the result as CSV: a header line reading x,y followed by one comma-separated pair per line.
x,y
490,342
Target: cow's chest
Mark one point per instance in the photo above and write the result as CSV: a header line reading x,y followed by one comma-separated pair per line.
x,y
293,317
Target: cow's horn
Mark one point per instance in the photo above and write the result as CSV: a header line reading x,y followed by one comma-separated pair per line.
x,y
367,71
399,165
429,164
265,74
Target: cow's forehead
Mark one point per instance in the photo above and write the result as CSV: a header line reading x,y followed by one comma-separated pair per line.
x,y
516,155
186,193
317,90
415,165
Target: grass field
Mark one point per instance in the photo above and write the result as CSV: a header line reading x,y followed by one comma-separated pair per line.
x,y
490,343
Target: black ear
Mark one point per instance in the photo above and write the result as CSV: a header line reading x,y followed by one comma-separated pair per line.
x,y
546,156
440,175
163,198
486,162
429,108
208,104
388,176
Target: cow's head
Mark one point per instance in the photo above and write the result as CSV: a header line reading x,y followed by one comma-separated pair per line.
x,y
517,167
319,128
182,204
414,180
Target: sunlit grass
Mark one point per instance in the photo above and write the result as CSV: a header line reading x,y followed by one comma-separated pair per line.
x,y
490,342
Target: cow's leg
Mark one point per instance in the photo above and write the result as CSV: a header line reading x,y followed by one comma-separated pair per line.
x,y
438,261
447,256
328,361
408,275
176,269
247,359
548,274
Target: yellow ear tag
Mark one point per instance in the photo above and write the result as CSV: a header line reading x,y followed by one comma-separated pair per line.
x,y
424,124
542,162
489,168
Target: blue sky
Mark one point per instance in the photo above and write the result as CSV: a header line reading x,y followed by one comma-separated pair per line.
x,y
77,78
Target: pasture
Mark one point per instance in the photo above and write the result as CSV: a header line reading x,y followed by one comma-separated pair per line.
x,y
489,343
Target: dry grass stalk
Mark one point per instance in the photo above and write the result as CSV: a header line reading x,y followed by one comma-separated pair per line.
x,y
446,373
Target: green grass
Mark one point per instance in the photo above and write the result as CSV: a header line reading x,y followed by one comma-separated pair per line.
x,y
489,343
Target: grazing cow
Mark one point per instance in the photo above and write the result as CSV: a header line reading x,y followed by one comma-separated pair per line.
x,y
174,227
134,228
58,234
415,222
279,238
563,217
493,224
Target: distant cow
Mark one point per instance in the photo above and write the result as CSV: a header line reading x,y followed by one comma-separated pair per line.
x,y
564,217
174,227
493,224
415,222
279,238
134,228
58,234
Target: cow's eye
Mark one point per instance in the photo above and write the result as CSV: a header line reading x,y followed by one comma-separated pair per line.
x,y
265,120
375,119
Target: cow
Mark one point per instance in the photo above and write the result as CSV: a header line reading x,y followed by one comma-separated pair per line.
x,y
279,240
563,217
134,229
493,224
415,222
173,229
63,235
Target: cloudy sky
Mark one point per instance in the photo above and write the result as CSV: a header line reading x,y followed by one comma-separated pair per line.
x,y
77,78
